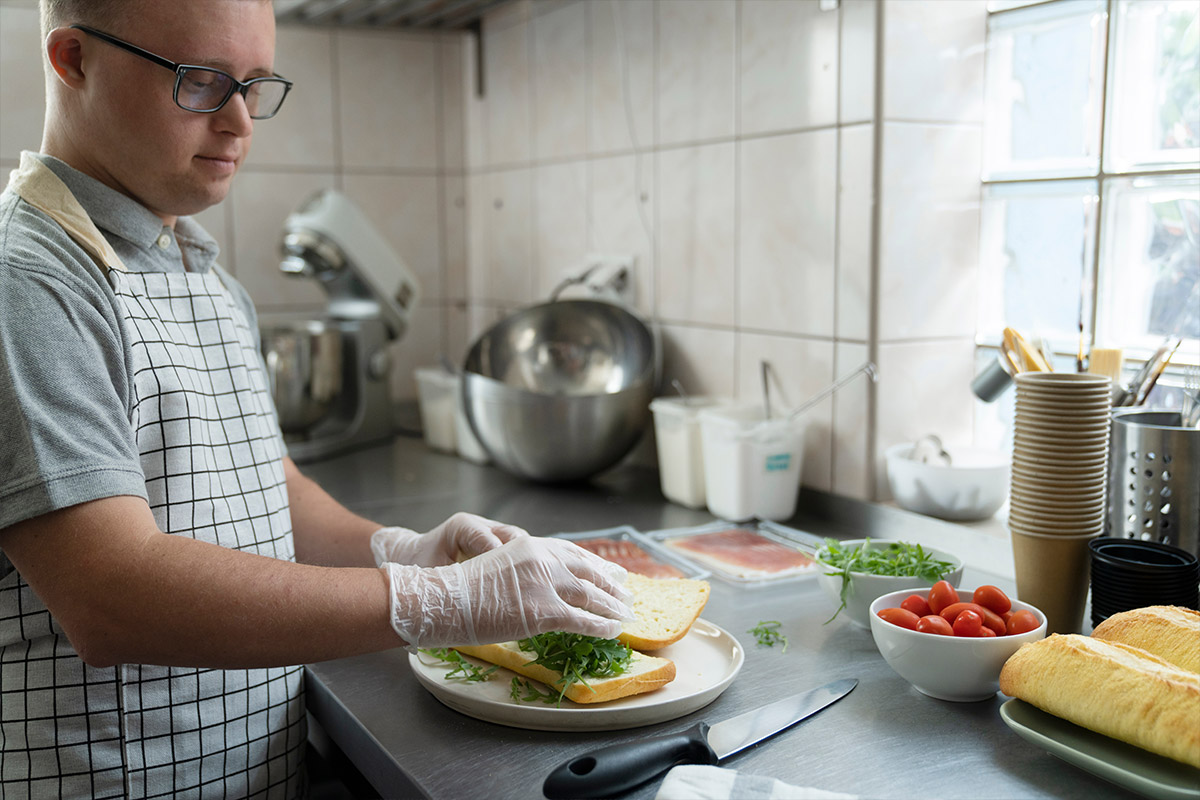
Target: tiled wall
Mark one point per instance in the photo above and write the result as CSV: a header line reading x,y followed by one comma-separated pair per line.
x,y
735,147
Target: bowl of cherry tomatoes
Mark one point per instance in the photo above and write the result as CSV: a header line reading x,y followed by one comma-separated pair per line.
x,y
951,643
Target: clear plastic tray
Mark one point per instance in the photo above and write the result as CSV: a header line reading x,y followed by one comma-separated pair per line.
x,y
654,550
790,538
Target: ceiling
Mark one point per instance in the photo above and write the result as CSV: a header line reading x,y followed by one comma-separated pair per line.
x,y
436,14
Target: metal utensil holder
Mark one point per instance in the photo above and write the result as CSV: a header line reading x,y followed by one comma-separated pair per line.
x,y
1154,479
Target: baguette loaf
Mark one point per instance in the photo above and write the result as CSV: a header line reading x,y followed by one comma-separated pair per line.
x,y
1110,688
664,610
1170,632
645,673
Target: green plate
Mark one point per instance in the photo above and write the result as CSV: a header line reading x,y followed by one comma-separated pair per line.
x,y
1125,765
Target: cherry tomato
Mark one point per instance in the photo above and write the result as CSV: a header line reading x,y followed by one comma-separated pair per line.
x,y
985,632
899,616
1006,615
1022,621
941,595
917,605
968,623
934,624
992,597
990,618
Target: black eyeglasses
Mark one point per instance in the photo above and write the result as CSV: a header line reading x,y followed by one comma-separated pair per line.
x,y
204,89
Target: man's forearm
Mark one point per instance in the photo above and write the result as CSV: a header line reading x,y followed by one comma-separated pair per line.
x,y
326,532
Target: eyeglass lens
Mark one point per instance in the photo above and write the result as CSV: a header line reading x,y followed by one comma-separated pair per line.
x,y
206,90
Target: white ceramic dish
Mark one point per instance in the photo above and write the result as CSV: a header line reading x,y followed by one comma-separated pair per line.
x,y
713,658
1125,765
947,667
864,588
972,487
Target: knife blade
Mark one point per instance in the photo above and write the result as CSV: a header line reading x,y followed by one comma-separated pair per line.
x,y
615,769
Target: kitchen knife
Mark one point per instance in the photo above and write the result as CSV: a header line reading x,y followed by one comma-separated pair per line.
x,y
613,770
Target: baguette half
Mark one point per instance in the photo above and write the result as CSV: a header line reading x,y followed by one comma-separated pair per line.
x,y
1169,632
645,673
663,609
1110,688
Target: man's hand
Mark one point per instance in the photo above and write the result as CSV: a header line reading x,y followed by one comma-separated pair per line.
x,y
467,534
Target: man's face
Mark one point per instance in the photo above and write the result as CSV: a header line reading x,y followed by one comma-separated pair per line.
x,y
174,162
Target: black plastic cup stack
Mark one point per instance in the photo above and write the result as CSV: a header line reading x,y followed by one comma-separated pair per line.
x,y
1130,573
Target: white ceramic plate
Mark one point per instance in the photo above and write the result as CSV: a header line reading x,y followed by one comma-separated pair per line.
x,y
707,660
1125,765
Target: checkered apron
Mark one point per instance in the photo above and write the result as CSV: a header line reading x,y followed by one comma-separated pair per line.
x,y
211,451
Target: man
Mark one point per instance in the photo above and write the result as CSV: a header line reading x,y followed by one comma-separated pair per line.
x,y
151,603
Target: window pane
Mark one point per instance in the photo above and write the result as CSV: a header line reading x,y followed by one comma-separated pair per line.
x,y
1042,94
1036,254
1154,84
1005,5
1150,263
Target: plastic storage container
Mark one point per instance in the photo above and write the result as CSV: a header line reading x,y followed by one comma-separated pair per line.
x,y
437,393
752,465
467,443
680,448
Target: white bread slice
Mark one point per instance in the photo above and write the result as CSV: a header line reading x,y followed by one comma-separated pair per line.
x,y
664,610
645,673
1110,688
1169,632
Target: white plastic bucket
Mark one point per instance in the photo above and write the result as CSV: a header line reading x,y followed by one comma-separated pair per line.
x,y
752,466
437,392
680,449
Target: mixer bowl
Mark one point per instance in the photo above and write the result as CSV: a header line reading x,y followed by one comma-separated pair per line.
x,y
304,369
561,391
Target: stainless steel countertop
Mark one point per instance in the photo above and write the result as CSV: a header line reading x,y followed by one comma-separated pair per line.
x,y
884,740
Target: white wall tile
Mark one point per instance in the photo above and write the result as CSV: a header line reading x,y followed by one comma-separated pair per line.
x,y
560,82
387,85
454,236
857,60
851,410
786,242
454,332
856,206
697,45
803,368
420,346
475,105
22,90
924,387
789,65
701,359
561,232
261,201
933,59
452,81
696,227
507,15
509,255
404,209
507,84
929,231
622,208
479,215
302,133
622,74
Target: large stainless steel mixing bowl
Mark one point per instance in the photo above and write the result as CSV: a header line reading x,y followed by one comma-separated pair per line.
x,y
561,391
304,369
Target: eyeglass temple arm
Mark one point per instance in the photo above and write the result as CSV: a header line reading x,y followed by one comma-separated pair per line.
x,y
132,48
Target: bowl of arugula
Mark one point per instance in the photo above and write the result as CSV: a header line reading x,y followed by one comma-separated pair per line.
x,y
856,571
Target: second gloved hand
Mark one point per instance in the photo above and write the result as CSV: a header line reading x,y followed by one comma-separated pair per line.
x,y
466,533
527,586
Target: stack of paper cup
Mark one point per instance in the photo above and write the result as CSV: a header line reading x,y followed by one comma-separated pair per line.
x,y
1059,479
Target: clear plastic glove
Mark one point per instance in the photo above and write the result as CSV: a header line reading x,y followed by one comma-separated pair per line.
x,y
527,586
463,532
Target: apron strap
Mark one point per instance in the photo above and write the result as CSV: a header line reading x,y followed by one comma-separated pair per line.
x,y
37,185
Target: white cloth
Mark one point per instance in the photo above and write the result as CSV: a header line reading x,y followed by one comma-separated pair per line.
x,y
698,782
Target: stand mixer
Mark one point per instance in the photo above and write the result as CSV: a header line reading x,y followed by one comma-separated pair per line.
x,y
329,375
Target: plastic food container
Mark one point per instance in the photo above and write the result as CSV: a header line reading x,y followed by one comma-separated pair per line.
x,y
628,541
680,448
745,554
437,393
752,465
467,443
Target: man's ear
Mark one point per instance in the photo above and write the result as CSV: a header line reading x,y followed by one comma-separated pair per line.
x,y
64,48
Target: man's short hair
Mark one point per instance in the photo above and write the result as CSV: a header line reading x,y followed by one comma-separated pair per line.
x,y
103,14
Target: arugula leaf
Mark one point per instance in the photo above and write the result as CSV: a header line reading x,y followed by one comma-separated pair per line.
x,y
899,559
523,691
577,657
767,634
463,669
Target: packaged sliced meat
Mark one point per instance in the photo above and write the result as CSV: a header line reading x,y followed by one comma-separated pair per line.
x,y
743,553
630,556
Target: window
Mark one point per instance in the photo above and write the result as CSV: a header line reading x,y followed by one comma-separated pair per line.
x,y
1090,230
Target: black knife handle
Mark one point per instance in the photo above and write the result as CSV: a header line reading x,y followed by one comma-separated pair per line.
x,y
612,770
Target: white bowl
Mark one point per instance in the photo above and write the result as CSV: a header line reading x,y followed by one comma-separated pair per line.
x,y
947,667
864,587
972,487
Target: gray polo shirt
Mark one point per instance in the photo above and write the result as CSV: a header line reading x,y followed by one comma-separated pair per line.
x,y
66,395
